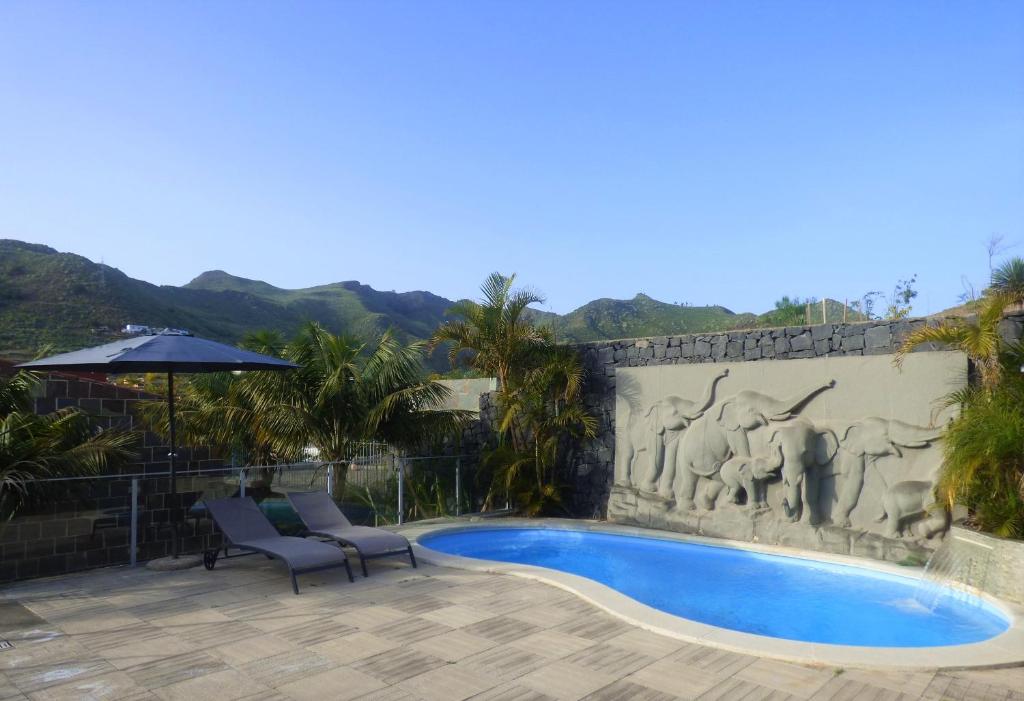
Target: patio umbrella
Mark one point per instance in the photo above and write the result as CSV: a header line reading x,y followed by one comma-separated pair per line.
x,y
170,352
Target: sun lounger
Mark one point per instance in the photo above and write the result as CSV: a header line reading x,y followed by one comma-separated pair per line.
x,y
323,518
245,527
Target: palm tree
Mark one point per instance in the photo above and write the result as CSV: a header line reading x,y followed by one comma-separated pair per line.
x,y
539,387
344,392
61,444
541,414
979,338
495,331
1009,278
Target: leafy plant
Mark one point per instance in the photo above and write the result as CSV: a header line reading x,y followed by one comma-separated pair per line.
x,y
539,386
900,303
344,392
64,443
983,465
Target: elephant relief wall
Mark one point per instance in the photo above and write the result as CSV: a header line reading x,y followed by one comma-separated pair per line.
x,y
838,453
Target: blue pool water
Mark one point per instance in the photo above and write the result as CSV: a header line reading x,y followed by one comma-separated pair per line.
x,y
771,595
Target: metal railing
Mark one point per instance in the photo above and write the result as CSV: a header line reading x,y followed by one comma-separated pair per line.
x,y
71,523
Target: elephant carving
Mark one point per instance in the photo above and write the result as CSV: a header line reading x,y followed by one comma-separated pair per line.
x,y
806,450
905,502
651,440
748,474
863,443
722,433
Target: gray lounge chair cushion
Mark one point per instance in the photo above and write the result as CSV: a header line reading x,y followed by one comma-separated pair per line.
x,y
323,517
300,553
246,526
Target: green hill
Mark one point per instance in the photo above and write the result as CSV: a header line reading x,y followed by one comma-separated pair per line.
x,y
68,302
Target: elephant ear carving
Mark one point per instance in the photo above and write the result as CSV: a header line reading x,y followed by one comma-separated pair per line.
x,y
851,440
727,417
825,447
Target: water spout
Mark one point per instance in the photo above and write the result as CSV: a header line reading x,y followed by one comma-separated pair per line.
x,y
955,570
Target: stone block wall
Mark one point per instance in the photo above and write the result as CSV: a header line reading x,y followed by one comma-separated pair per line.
x,y
79,524
591,469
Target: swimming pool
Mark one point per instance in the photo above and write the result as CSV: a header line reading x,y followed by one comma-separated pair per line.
x,y
741,590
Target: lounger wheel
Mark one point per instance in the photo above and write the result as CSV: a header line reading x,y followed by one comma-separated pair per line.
x,y
210,559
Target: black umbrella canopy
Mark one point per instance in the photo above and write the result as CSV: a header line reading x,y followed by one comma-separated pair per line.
x,y
168,352
164,352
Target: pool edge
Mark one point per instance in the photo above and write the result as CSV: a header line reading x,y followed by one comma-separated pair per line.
x,y
1003,650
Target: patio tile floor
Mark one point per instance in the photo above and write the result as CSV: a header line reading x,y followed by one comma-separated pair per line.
x,y
430,634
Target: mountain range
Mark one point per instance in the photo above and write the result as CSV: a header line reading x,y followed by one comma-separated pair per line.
x,y
66,301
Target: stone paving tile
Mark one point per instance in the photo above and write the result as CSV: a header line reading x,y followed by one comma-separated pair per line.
x,y
401,635
720,662
669,677
226,685
566,681
286,667
449,683
204,635
623,690
506,662
454,646
171,670
398,665
456,615
646,643
352,647
1009,678
115,685
418,603
40,651
913,684
512,692
736,689
242,652
609,659
119,637
139,652
501,629
338,684
371,617
544,616
793,679
599,627
391,693
7,688
32,678
316,632
949,688
842,688
552,644
410,630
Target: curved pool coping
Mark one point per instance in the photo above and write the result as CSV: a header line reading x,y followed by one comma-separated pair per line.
x,y
1005,649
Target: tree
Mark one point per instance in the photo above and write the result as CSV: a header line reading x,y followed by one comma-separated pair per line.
x,y
1008,278
983,465
539,385
343,392
978,338
500,340
64,443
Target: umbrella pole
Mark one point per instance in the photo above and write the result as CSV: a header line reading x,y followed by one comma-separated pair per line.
x,y
174,475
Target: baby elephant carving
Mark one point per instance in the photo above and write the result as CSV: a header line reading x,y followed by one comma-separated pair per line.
x,y
748,474
907,502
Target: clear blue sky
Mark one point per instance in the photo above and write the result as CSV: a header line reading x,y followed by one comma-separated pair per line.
x,y
708,152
